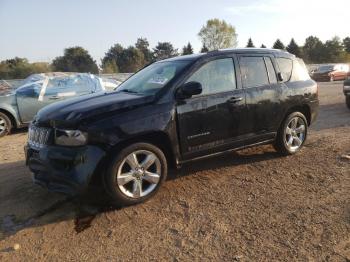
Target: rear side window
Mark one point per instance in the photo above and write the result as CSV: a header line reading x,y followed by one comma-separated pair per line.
x,y
286,67
253,71
216,76
300,72
271,70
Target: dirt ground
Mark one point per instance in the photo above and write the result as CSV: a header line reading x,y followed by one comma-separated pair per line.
x,y
247,206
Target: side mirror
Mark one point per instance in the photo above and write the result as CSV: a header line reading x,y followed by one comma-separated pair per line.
x,y
280,77
27,91
189,89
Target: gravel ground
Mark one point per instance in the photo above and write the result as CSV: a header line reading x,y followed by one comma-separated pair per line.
x,y
246,206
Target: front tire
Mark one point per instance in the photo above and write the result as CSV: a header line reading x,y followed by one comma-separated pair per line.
x,y
347,100
135,174
292,134
5,124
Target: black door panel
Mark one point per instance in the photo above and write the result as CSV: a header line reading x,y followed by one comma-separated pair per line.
x,y
263,95
263,108
212,121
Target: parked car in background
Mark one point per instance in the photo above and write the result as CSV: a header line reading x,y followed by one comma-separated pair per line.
x,y
311,69
18,106
112,81
331,72
110,84
169,113
346,90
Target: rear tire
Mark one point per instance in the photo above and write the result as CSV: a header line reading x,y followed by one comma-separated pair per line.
x,y
135,174
347,99
5,124
291,134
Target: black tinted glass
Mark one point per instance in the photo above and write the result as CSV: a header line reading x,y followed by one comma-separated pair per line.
x,y
253,71
271,70
215,76
286,67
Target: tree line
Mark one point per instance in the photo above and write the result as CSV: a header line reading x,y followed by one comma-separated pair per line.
x,y
76,59
314,51
215,34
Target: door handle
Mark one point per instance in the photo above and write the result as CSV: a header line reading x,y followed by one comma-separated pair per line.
x,y
54,97
234,100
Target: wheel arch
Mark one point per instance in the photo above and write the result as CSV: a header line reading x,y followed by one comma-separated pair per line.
x,y
304,109
10,116
157,138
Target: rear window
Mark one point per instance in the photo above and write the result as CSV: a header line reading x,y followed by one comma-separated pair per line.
x,y
253,71
300,72
286,67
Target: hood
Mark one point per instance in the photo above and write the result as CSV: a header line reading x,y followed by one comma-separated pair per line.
x,y
6,91
73,111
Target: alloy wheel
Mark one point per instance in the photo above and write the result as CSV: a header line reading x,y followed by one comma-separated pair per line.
x,y
139,174
295,134
3,125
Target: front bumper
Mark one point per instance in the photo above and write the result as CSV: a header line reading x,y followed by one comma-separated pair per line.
x,y
62,169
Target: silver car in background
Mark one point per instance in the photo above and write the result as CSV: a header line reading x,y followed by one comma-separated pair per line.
x,y
19,106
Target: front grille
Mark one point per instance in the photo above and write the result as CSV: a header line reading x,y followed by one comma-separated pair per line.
x,y
38,136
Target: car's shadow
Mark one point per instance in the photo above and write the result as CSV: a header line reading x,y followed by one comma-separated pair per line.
x,y
24,205
19,131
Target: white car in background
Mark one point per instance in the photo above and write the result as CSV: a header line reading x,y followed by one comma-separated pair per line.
x,y
19,106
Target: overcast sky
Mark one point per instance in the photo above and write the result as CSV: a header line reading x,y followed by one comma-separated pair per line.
x,y
40,29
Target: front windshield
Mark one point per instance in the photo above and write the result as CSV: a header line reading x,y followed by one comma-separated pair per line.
x,y
153,78
325,68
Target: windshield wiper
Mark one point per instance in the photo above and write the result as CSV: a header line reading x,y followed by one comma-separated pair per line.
x,y
129,91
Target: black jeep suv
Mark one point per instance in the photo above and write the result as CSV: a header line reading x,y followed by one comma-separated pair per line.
x,y
171,112
346,90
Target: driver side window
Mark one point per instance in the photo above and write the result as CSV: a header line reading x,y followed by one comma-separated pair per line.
x,y
215,76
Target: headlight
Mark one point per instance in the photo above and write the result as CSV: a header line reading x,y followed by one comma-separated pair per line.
x,y
346,88
70,137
